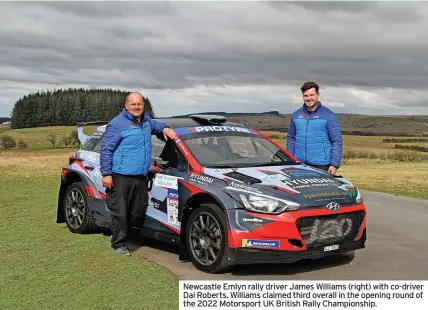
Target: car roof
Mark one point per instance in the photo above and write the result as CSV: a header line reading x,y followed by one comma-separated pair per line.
x,y
188,122
191,121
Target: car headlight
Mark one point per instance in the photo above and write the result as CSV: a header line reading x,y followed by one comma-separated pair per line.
x,y
266,204
359,198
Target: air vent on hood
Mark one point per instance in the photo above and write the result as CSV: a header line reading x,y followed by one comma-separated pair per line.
x,y
242,177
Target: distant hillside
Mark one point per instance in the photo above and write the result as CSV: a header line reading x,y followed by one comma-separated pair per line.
x,y
4,119
232,114
352,124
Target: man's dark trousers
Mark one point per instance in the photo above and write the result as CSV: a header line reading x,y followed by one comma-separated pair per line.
x,y
127,201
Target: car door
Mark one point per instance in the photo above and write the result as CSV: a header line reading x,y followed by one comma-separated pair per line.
x,y
168,167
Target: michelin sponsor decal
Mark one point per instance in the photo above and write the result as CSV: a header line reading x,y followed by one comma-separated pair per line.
x,y
253,243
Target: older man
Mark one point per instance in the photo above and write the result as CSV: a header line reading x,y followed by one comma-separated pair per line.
x,y
314,135
125,162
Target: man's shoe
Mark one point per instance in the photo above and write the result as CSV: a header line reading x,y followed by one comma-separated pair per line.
x,y
122,251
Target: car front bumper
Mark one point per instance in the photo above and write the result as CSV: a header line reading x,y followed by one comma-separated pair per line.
x,y
243,256
294,236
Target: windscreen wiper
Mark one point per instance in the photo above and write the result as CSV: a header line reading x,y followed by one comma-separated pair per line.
x,y
221,166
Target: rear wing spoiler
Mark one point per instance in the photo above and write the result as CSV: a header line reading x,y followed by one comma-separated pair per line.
x,y
81,135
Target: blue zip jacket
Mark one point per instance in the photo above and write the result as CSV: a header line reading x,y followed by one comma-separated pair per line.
x,y
127,145
315,138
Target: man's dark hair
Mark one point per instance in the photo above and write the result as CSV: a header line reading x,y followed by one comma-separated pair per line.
x,y
308,85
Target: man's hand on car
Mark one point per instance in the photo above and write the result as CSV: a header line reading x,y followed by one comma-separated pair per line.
x,y
168,132
332,170
108,181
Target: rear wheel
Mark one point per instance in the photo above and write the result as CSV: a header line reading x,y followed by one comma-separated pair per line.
x,y
207,239
75,206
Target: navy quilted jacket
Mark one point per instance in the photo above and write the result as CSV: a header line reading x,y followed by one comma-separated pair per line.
x,y
315,138
127,145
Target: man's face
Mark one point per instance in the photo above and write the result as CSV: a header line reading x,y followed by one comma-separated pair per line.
x,y
135,106
310,98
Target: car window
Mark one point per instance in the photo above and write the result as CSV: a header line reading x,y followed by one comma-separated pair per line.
x,y
238,149
92,141
97,147
157,147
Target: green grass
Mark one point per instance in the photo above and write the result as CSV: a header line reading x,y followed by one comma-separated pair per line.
x,y
397,178
36,137
44,266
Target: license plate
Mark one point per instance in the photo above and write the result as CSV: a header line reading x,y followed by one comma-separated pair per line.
x,y
331,248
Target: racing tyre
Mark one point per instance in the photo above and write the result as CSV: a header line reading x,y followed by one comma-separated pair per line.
x,y
76,209
207,239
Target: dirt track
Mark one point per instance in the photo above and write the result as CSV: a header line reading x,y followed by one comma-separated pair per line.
x,y
396,249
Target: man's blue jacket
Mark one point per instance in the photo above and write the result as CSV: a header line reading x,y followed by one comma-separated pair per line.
x,y
315,138
127,145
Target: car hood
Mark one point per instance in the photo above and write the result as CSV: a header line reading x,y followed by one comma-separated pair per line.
x,y
301,184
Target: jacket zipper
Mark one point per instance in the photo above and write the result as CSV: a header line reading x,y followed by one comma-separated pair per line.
x,y
306,140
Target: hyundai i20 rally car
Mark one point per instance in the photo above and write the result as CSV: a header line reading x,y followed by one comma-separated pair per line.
x,y
226,194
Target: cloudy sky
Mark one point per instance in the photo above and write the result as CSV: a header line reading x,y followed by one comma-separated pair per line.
x,y
187,57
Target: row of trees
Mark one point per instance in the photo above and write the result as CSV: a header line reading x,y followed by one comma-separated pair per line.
x,y
412,147
404,140
68,107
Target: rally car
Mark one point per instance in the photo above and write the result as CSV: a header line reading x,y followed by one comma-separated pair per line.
x,y
226,195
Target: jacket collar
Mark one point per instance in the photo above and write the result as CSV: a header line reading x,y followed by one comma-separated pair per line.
x,y
132,118
314,111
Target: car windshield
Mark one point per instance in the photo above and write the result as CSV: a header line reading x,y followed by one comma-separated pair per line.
x,y
234,150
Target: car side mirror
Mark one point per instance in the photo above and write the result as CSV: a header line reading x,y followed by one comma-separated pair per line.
x,y
160,163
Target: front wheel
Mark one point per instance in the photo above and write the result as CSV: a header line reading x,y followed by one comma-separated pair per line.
x,y
207,239
75,206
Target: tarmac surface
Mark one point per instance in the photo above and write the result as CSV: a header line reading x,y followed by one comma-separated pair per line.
x,y
396,249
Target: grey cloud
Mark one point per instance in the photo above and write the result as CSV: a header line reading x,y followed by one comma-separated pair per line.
x,y
177,45
326,6
387,11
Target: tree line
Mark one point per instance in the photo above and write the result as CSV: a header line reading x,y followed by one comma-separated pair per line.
x,y
404,140
65,107
412,147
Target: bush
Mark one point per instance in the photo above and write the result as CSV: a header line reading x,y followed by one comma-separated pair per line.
x,y
408,156
52,138
404,140
22,144
412,147
7,142
67,141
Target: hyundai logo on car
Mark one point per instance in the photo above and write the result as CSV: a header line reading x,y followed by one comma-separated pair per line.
x,y
333,206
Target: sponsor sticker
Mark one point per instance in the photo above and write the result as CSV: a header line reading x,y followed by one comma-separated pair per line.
x,y
221,128
254,219
167,181
201,179
172,207
309,182
273,244
244,187
223,170
350,190
304,173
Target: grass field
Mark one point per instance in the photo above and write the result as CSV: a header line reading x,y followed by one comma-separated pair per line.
x,y
372,144
44,266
